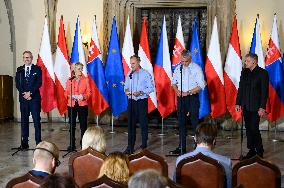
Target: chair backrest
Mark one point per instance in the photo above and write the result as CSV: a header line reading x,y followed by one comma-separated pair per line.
x,y
256,172
85,165
104,182
147,160
200,171
25,181
172,184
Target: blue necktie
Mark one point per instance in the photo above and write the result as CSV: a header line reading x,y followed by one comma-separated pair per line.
x,y
28,72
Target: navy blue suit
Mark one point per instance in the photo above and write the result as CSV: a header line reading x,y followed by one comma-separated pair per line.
x,y
33,106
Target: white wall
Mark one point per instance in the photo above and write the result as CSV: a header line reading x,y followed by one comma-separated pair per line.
x,y
246,15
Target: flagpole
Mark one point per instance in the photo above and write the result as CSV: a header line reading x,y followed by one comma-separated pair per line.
x,y
275,132
97,120
162,134
112,131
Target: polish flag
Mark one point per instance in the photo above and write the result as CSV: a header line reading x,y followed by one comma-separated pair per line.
x,y
128,49
232,72
178,47
61,69
163,75
273,64
47,89
214,75
144,54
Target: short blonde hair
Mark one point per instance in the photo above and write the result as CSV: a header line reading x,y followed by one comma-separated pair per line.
x,y
116,167
76,65
94,137
41,154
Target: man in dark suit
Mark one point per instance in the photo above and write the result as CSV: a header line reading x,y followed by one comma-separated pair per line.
x,y
251,98
28,81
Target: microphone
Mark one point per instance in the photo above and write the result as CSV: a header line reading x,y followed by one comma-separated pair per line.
x,y
130,75
181,67
72,77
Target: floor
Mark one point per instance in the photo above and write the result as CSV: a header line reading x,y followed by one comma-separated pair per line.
x,y
228,143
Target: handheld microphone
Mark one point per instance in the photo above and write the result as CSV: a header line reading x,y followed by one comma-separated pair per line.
x,y
181,67
72,77
130,75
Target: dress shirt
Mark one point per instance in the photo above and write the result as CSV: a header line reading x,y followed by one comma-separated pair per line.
x,y
225,161
141,81
192,76
26,66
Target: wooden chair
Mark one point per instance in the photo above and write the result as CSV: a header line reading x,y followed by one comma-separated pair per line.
x,y
25,181
172,184
200,171
256,172
85,165
147,160
104,182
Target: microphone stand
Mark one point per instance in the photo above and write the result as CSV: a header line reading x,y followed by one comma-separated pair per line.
x,y
181,109
72,147
242,135
131,107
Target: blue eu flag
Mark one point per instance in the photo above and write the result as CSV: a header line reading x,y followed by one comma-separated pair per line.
x,y
114,75
197,58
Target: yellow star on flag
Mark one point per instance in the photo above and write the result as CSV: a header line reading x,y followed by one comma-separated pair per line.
x,y
195,50
113,85
107,82
122,83
113,50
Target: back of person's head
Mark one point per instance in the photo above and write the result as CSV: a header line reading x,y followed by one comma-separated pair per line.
x,y
116,167
94,137
206,133
46,154
58,181
147,178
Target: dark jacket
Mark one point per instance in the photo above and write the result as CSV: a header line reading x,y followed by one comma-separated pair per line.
x,y
253,89
32,85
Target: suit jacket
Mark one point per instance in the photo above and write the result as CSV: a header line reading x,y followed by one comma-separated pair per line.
x,y
253,89
83,88
35,82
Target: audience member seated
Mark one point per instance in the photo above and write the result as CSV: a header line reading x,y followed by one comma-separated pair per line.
x,y
147,178
45,159
116,167
205,138
58,181
94,137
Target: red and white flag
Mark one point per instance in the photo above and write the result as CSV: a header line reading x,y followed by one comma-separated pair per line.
x,y
47,89
214,75
144,54
61,69
178,47
128,49
232,72
163,75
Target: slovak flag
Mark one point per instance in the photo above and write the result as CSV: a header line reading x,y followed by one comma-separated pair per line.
x,y
144,54
273,65
214,75
178,47
232,72
47,89
128,49
256,45
78,54
163,75
99,97
61,69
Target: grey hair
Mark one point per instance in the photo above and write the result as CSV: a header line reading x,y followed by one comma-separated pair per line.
x,y
186,54
147,178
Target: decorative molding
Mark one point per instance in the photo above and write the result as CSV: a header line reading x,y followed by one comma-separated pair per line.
x,y
223,9
50,11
